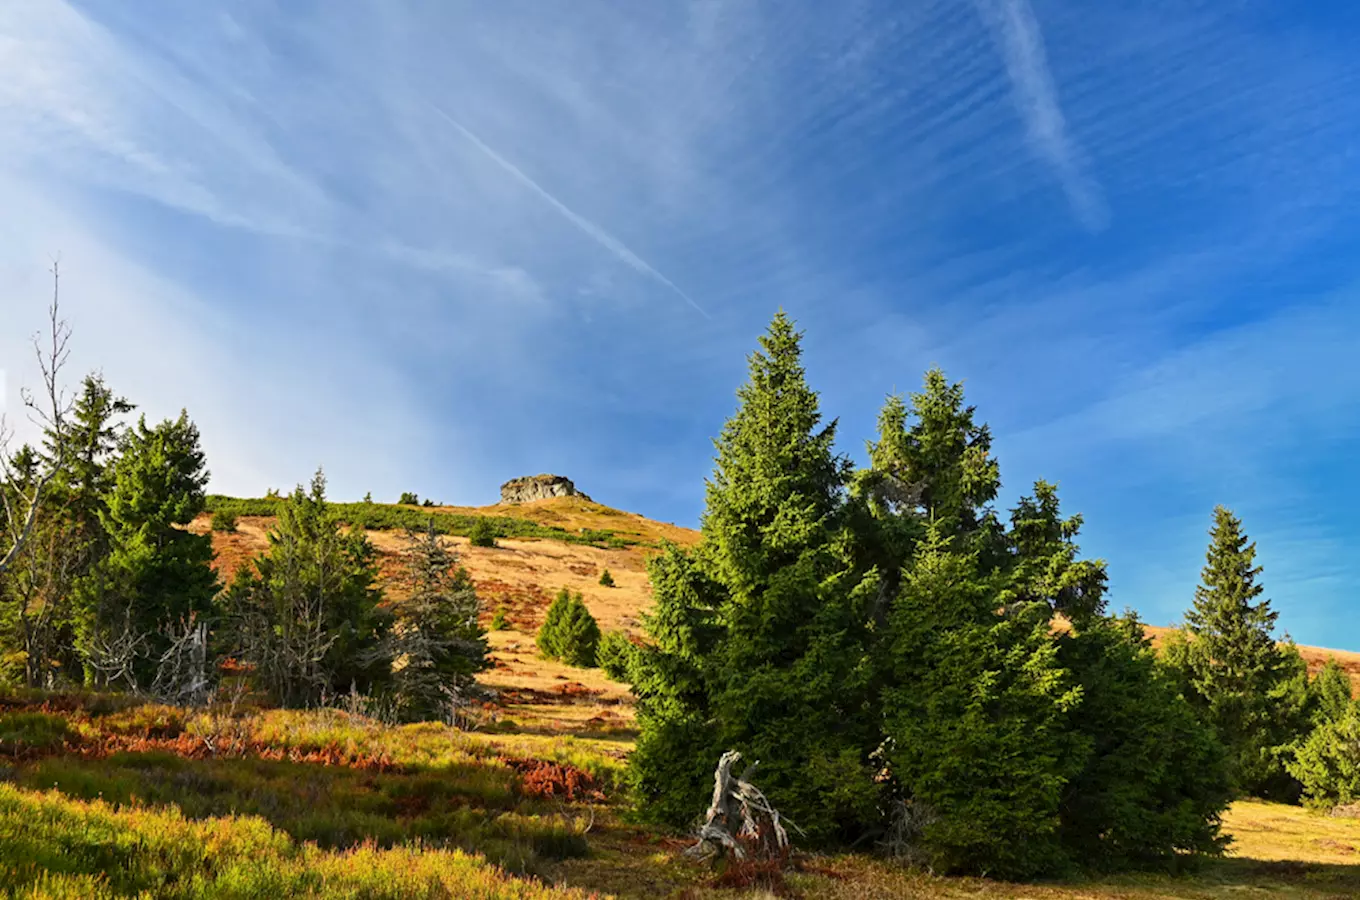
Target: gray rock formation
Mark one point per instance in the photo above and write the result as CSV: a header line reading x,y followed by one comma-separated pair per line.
x,y
538,487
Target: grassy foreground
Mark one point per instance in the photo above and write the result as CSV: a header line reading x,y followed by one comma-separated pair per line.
x,y
52,846
109,798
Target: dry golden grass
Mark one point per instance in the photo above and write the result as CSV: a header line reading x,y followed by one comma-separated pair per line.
x,y
520,576
1280,852
574,514
1274,832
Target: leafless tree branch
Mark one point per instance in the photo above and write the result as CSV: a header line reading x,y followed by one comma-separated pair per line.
x,y
49,412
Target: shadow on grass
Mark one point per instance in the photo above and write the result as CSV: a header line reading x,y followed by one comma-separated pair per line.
x,y
472,807
1344,880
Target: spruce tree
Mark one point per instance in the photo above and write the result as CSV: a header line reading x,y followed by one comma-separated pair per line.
x,y
1327,763
978,722
676,749
156,573
1252,691
937,448
788,680
615,656
437,644
777,483
547,639
306,614
1154,780
91,436
1333,692
570,633
1043,564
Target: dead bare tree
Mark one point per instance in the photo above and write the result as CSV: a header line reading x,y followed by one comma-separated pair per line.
x,y
182,676
905,838
114,654
740,820
48,411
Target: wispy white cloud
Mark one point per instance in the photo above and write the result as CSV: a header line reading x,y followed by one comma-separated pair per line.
x,y
1036,98
491,295
594,231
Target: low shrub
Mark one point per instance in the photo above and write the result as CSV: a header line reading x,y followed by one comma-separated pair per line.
x,y
500,622
224,521
408,498
606,579
482,533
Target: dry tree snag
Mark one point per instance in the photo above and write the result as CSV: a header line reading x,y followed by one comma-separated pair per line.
x,y
21,497
740,819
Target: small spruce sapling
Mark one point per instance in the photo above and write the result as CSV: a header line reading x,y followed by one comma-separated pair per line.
x,y
569,632
606,579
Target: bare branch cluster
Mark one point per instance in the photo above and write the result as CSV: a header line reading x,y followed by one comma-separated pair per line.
x,y
183,677
114,654
740,819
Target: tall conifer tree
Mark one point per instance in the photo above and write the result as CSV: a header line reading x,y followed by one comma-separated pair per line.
x,y
1252,690
787,682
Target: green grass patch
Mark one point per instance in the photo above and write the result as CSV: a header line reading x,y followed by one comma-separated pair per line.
x,y
388,517
474,808
52,846
22,733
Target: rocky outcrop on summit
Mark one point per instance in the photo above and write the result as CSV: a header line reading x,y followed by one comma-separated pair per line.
x,y
538,487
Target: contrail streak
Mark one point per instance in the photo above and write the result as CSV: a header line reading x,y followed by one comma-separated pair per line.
x,y
1022,46
595,232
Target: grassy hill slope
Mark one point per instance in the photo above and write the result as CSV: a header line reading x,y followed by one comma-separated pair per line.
x,y
562,542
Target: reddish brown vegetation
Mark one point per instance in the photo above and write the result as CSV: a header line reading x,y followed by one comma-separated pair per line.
x,y
540,778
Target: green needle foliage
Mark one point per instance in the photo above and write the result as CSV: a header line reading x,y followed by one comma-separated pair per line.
x,y
980,720
1252,691
615,656
436,644
606,579
482,533
224,522
890,649
156,573
1328,762
760,636
569,632
1333,693
306,613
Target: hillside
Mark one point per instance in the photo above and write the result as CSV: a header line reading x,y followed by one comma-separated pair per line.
x,y
521,575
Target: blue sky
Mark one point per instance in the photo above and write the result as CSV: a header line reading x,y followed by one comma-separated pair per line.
x,y
436,246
